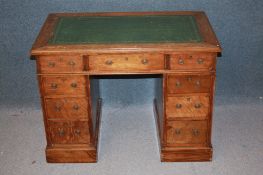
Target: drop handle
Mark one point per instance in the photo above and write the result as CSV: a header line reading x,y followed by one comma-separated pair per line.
x,y
195,132
145,61
200,60
197,83
181,61
61,132
178,106
51,64
198,105
74,85
71,63
77,132
58,107
53,85
177,131
76,107
177,84
109,62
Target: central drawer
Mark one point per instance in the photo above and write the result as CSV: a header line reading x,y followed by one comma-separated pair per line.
x,y
126,62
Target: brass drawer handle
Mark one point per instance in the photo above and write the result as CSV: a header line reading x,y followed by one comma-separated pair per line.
x,y
198,105
76,107
198,83
61,132
58,107
178,84
54,85
181,61
77,132
178,106
145,61
177,131
74,85
51,64
200,60
71,63
195,132
109,62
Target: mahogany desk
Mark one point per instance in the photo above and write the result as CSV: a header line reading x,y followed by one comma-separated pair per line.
x,y
74,48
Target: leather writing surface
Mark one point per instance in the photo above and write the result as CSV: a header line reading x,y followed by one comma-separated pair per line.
x,y
126,29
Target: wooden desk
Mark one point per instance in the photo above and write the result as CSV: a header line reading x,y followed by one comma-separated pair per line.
x,y
72,48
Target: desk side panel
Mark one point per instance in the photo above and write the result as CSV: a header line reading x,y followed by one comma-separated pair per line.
x,y
158,105
94,97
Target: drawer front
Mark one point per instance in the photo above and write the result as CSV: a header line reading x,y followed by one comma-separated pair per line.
x,y
187,106
192,62
189,83
66,108
53,64
64,85
62,132
126,62
187,132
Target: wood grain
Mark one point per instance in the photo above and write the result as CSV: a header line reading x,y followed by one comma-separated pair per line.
x,y
192,62
66,108
65,132
71,155
80,132
60,132
61,85
61,64
187,154
187,106
187,133
189,83
126,62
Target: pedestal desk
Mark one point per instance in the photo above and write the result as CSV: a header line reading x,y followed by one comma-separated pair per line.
x,y
73,49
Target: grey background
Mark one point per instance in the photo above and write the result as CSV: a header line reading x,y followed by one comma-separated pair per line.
x,y
238,25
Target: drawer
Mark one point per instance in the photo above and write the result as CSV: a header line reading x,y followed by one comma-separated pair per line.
x,y
64,85
195,106
57,64
62,132
192,62
182,133
189,83
66,108
126,62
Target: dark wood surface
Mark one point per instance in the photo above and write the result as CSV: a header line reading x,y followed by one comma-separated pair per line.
x,y
68,77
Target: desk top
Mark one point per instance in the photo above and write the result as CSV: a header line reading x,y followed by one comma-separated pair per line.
x,y
126,32
125,29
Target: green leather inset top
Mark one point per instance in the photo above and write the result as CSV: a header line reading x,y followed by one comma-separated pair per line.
x,y
125,29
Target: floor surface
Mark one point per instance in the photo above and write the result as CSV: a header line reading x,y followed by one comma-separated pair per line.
x,y
128,142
